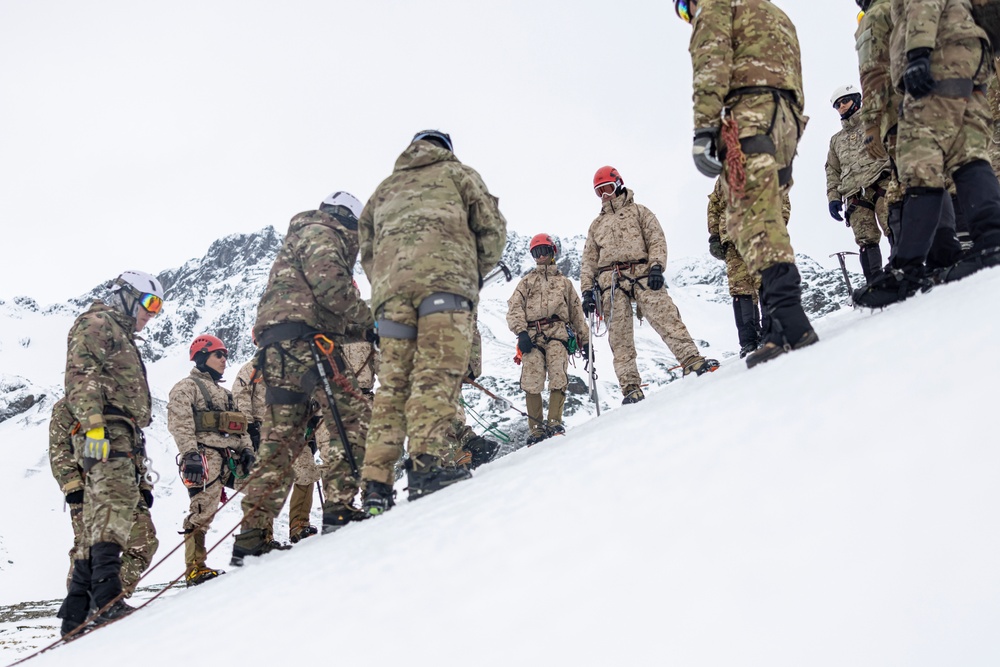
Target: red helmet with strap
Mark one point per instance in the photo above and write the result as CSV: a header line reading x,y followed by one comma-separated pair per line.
x,y
606,175
543,239
206,343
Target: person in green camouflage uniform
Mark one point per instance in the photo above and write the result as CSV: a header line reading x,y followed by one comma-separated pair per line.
x,y
746,61
107,393
428,235
855,176
142,541
542,312
309,308
212,444
940,61
743,287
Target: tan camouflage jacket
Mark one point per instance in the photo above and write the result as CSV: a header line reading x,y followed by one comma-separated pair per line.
x,y
545,293
362,359
881,100
849,168
184,399
623,232
104,369
432,226
311,281
248,393
61,451
947,27
738,44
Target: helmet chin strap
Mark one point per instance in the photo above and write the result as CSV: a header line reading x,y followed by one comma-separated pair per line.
x,y
130,309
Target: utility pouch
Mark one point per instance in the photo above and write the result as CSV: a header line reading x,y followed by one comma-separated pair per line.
x,y
220,422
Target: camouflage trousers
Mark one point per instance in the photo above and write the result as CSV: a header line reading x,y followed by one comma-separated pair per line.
x,y
420,384
867,219
138,553
206,498
754,221
548,357
741,281
288,367
659,309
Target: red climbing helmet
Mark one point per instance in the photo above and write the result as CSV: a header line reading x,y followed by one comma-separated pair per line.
x,y
606,176
207,343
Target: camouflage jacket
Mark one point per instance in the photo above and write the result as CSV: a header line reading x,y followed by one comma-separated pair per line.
x,y
738,44
849,168
432,226
311,281
185,398
248,393
545,293
959,46
881,100
717,212
362,359
104,369
61,451
623,232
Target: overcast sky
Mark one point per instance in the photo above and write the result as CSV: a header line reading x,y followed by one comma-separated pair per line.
x,y
134,133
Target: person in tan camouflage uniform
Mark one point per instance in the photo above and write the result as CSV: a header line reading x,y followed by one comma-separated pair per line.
x,y
212,443
544,312
428,236
142,541
308,311
747,69
108,395
940,61
623,261
853,175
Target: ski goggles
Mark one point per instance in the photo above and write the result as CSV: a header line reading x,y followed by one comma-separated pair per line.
x,y
600,191
151,302
683,9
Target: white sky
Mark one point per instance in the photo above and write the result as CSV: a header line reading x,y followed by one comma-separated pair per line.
x,y
133,134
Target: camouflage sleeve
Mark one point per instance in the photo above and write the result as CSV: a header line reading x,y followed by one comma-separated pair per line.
x,y
716,210
922,17
711,60
588,260
786,207
241,391
61,458
872,46
485,219
517,317
576,317
652,234
329,274
180,416
366,237
476,358
832,172
87,347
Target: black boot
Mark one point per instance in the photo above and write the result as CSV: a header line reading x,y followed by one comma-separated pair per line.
x,y
871,261
747,323
106,582
781,296
961,225
336,516
979,195
425,475
895,224
76,606
253,542
377,498
482,450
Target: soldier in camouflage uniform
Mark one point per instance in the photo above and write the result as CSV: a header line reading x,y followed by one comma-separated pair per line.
x,y
108,395
309,309
428,235
544,312
469,449
623,261
993,95
941,62
743,287
212,443
853,175
142,542
747,66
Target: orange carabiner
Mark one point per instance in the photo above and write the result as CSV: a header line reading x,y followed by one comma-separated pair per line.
x,y
324,344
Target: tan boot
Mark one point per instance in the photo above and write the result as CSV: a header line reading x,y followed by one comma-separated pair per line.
x,y
536,419
557,400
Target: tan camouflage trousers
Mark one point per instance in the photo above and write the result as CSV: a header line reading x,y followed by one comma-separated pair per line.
x,y
137,555
937,135
299,507
420,383
548,357
868,224
289,365
659,309
205,499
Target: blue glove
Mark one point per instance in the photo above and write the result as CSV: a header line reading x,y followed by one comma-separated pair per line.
x,y
836,206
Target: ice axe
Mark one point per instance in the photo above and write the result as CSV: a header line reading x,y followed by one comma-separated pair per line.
x,y
501,271
843,269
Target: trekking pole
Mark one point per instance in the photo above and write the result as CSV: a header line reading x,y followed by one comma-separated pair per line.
x,y
843,269
314,345
592,378
509,403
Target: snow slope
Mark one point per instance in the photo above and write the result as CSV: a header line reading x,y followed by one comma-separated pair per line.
x,y
837,506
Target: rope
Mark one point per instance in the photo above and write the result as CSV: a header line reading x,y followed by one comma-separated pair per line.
x,y
491,428
735,160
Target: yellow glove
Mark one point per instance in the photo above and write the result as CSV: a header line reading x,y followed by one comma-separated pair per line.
x,y
96,446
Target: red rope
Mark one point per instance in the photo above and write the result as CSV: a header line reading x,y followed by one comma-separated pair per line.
x,y
735,159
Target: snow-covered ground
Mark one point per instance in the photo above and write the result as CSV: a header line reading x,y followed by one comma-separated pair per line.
x,y
837,506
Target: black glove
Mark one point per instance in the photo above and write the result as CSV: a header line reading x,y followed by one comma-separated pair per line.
x,y
589,302
704,152
524,342
74,497
586,355
192,469
836,206
372,336
654,279
147,497
917,77
470,375
247,460
715,247
253,429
